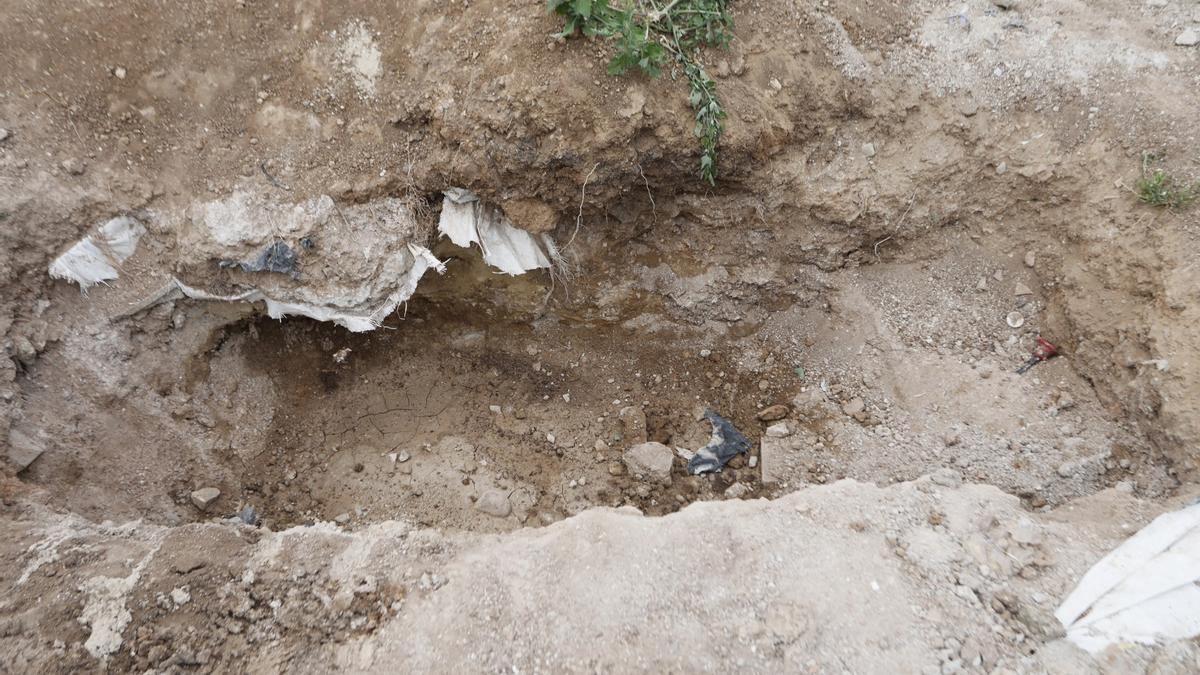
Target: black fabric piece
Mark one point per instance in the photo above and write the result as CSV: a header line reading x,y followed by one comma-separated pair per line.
x,y
726,443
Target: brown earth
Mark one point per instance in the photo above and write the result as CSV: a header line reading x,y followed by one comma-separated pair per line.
x,y
894,181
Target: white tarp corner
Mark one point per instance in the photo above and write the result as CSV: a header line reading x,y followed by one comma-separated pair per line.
x,y
97,257
1144,591
466,220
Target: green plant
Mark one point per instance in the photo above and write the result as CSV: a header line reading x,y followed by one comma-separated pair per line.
x,y
646,33
1160,189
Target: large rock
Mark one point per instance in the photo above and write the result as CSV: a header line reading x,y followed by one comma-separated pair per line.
x,y
23,450
203,497
651,461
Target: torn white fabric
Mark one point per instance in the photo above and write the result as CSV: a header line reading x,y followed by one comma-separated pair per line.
x,y
357,322
96,258
1144,591
466,220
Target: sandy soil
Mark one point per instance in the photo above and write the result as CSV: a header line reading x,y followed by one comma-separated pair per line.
x,y
897,179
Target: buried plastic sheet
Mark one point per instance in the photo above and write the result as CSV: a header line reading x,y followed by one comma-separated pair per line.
x,y
357,322
726,443
1144,591
466,220
96,258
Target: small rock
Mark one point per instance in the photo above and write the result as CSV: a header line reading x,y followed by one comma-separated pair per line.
x,y
1001,168
652,461
1014,320
1022,289
752,462
403,457
1030,258
1190,37
341,518
615,468
736,491
705,353
494,503
1005,4
779,430
772,413
4,134
775,84
868,149
946,477
968,108
633,425
1066,469
981,285
204,496
951,439
854,406
180,596
119,72
72,166
495,409
985,370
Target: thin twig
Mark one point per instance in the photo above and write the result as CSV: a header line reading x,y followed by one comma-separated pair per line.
x,y
899,224
653,206
582,198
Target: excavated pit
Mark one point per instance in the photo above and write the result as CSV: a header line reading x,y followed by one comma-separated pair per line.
x,y
896,179
533,389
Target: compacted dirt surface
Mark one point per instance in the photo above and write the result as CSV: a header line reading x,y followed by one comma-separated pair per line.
x,y
909,195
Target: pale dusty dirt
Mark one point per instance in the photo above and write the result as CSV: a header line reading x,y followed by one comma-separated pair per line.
x,y
886,174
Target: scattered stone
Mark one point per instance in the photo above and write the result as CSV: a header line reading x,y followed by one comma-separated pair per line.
x,y
752,462
737,491
651,460
1001,168
341,518
633,425
72,166
1022,289
854,407
495,409
4,134
119,72
985,370
1030,258
951,439
494,503
403,457
772,413
705,353
1190,37
204,496
180,596
981,285
779,430
23,450
616,468
1067,469
868,149
1005,4
946,477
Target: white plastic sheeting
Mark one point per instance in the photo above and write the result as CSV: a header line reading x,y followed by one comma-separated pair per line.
x,y
1144,591
466,220
357,322
96,258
